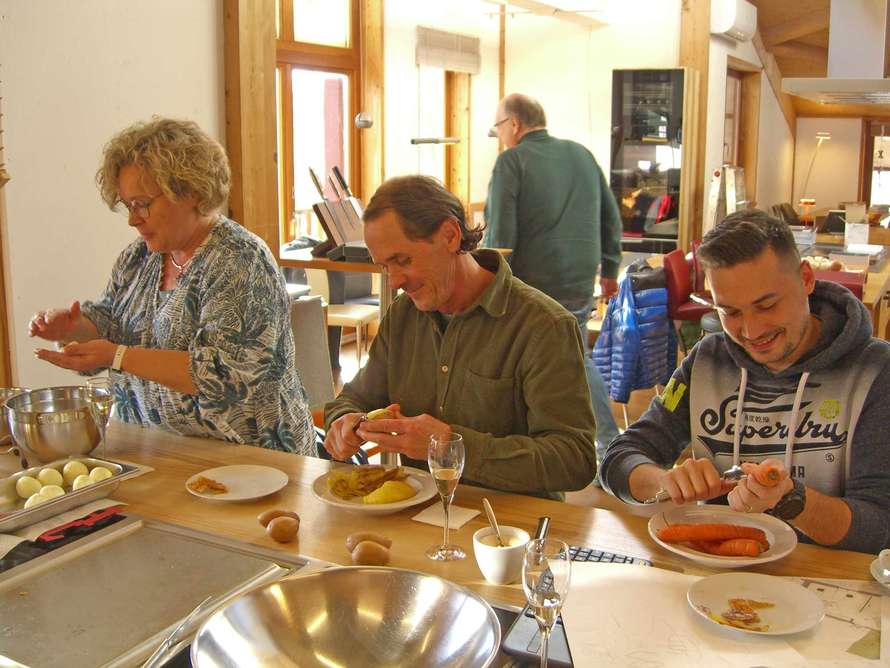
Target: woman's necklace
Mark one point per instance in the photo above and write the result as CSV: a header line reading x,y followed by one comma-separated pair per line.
x,y
180,267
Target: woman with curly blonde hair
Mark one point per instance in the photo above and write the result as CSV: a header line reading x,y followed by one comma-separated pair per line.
x,y
195,321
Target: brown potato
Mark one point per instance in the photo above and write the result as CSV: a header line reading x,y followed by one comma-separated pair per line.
x,y
381,414
352,540
836,266
283,529
369,553
269,515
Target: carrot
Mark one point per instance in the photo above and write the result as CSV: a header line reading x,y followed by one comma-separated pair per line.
x,y
373,451
735,547
766,474
682,533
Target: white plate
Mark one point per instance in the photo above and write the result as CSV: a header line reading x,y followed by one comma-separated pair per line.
x,y
795,608
245,482
876,569
418,479
782,539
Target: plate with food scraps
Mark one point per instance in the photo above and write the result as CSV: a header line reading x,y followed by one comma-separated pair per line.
x,y
776,540
366,489
241,482
755,603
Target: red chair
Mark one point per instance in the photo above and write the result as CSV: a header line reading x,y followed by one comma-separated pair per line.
x,y
678,273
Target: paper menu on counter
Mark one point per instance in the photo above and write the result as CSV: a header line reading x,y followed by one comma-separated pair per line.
x,y
618,615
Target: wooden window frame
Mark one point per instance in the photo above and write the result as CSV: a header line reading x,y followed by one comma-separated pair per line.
x,y
342,60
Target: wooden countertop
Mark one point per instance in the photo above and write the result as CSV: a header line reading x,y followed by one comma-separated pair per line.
x,y
161,495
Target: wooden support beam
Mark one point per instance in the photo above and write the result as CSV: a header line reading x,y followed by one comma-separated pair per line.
x,y
774,76
695,44
801,26
251,137
801,51
544,9
457,124
372,153
749,131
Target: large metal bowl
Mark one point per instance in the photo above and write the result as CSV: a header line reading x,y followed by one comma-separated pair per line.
x,y
52,423
6,393
359,616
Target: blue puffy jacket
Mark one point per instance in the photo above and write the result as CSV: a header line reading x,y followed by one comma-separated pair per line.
x,y
637,347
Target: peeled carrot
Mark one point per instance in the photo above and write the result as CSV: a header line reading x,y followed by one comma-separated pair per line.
x,y
682,533
766,474
373,451
735,547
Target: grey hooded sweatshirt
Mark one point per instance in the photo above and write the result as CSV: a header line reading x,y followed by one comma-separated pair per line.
x,y
837,397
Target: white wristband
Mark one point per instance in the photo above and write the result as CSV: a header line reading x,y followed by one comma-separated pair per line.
x,y
118,357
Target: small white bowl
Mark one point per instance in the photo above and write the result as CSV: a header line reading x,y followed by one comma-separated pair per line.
x,y
501,565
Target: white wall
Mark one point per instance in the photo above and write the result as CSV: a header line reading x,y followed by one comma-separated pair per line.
x,y
569,68
467,17
835,175
775,142
74,73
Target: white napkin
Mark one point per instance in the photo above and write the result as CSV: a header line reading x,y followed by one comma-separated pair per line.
x,y
435,515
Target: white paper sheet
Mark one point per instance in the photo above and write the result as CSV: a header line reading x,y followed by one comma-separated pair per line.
x,y
435,515
618,615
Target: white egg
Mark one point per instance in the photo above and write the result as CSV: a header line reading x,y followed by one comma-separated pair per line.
x,y
34,500
100,473
73,469
26,486
81,481
51,491
50,476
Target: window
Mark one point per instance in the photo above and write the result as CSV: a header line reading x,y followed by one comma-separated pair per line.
x,y
319,69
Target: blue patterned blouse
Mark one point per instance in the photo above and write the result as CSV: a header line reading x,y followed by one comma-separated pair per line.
x,y
231,312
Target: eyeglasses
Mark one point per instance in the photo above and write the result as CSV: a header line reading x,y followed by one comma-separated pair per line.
x,y
138,207
493,132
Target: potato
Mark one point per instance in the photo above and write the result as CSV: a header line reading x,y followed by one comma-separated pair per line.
x,y
100,473
49,476
369,553
81,481
269,515
381,414
353,539
26,486
837,266
283,529
73,469
51,491
35,500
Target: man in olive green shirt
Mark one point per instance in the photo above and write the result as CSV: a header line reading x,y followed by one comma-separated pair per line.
x,y
548,201
467,348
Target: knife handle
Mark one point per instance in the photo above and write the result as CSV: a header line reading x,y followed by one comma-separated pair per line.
x,y
339,176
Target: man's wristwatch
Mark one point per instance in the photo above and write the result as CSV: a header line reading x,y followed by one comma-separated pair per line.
x,y
792,504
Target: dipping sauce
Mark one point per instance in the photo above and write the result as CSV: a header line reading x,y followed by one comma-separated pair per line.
x,y
509,541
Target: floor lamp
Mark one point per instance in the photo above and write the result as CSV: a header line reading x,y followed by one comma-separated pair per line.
x,y
807,202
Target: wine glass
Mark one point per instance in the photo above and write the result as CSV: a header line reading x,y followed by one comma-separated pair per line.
x,y
546,571
101,400
446,459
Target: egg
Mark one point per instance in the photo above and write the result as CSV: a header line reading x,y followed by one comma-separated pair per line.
x,y
73,469
100,473
50,476
51,491
34,500
26,486
81,481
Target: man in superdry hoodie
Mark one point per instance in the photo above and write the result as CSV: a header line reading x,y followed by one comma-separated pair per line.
x,y
795,352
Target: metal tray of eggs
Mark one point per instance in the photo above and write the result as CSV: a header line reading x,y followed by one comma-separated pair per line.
x,y
41,492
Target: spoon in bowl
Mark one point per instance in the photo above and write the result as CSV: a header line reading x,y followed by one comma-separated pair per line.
x,y
492,521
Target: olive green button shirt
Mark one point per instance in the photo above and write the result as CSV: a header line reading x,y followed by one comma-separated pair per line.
x,y
507,374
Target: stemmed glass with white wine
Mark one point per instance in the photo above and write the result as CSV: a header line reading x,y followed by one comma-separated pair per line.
x,y
101,400
446,459
546,571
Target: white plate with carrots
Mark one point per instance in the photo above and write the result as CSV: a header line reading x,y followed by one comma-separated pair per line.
x,y
720,537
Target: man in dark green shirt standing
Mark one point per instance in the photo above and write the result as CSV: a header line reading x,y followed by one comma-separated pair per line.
x,y
549,202
466,348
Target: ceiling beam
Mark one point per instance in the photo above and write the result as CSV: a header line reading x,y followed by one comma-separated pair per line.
x,y
774,75
543,9
799,27
801,51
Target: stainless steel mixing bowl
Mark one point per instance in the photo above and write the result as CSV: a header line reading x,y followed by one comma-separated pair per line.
x,y
52,423
6,393
358,616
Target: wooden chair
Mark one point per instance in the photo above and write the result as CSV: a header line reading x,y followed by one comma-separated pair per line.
x,y
311,351
354,316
